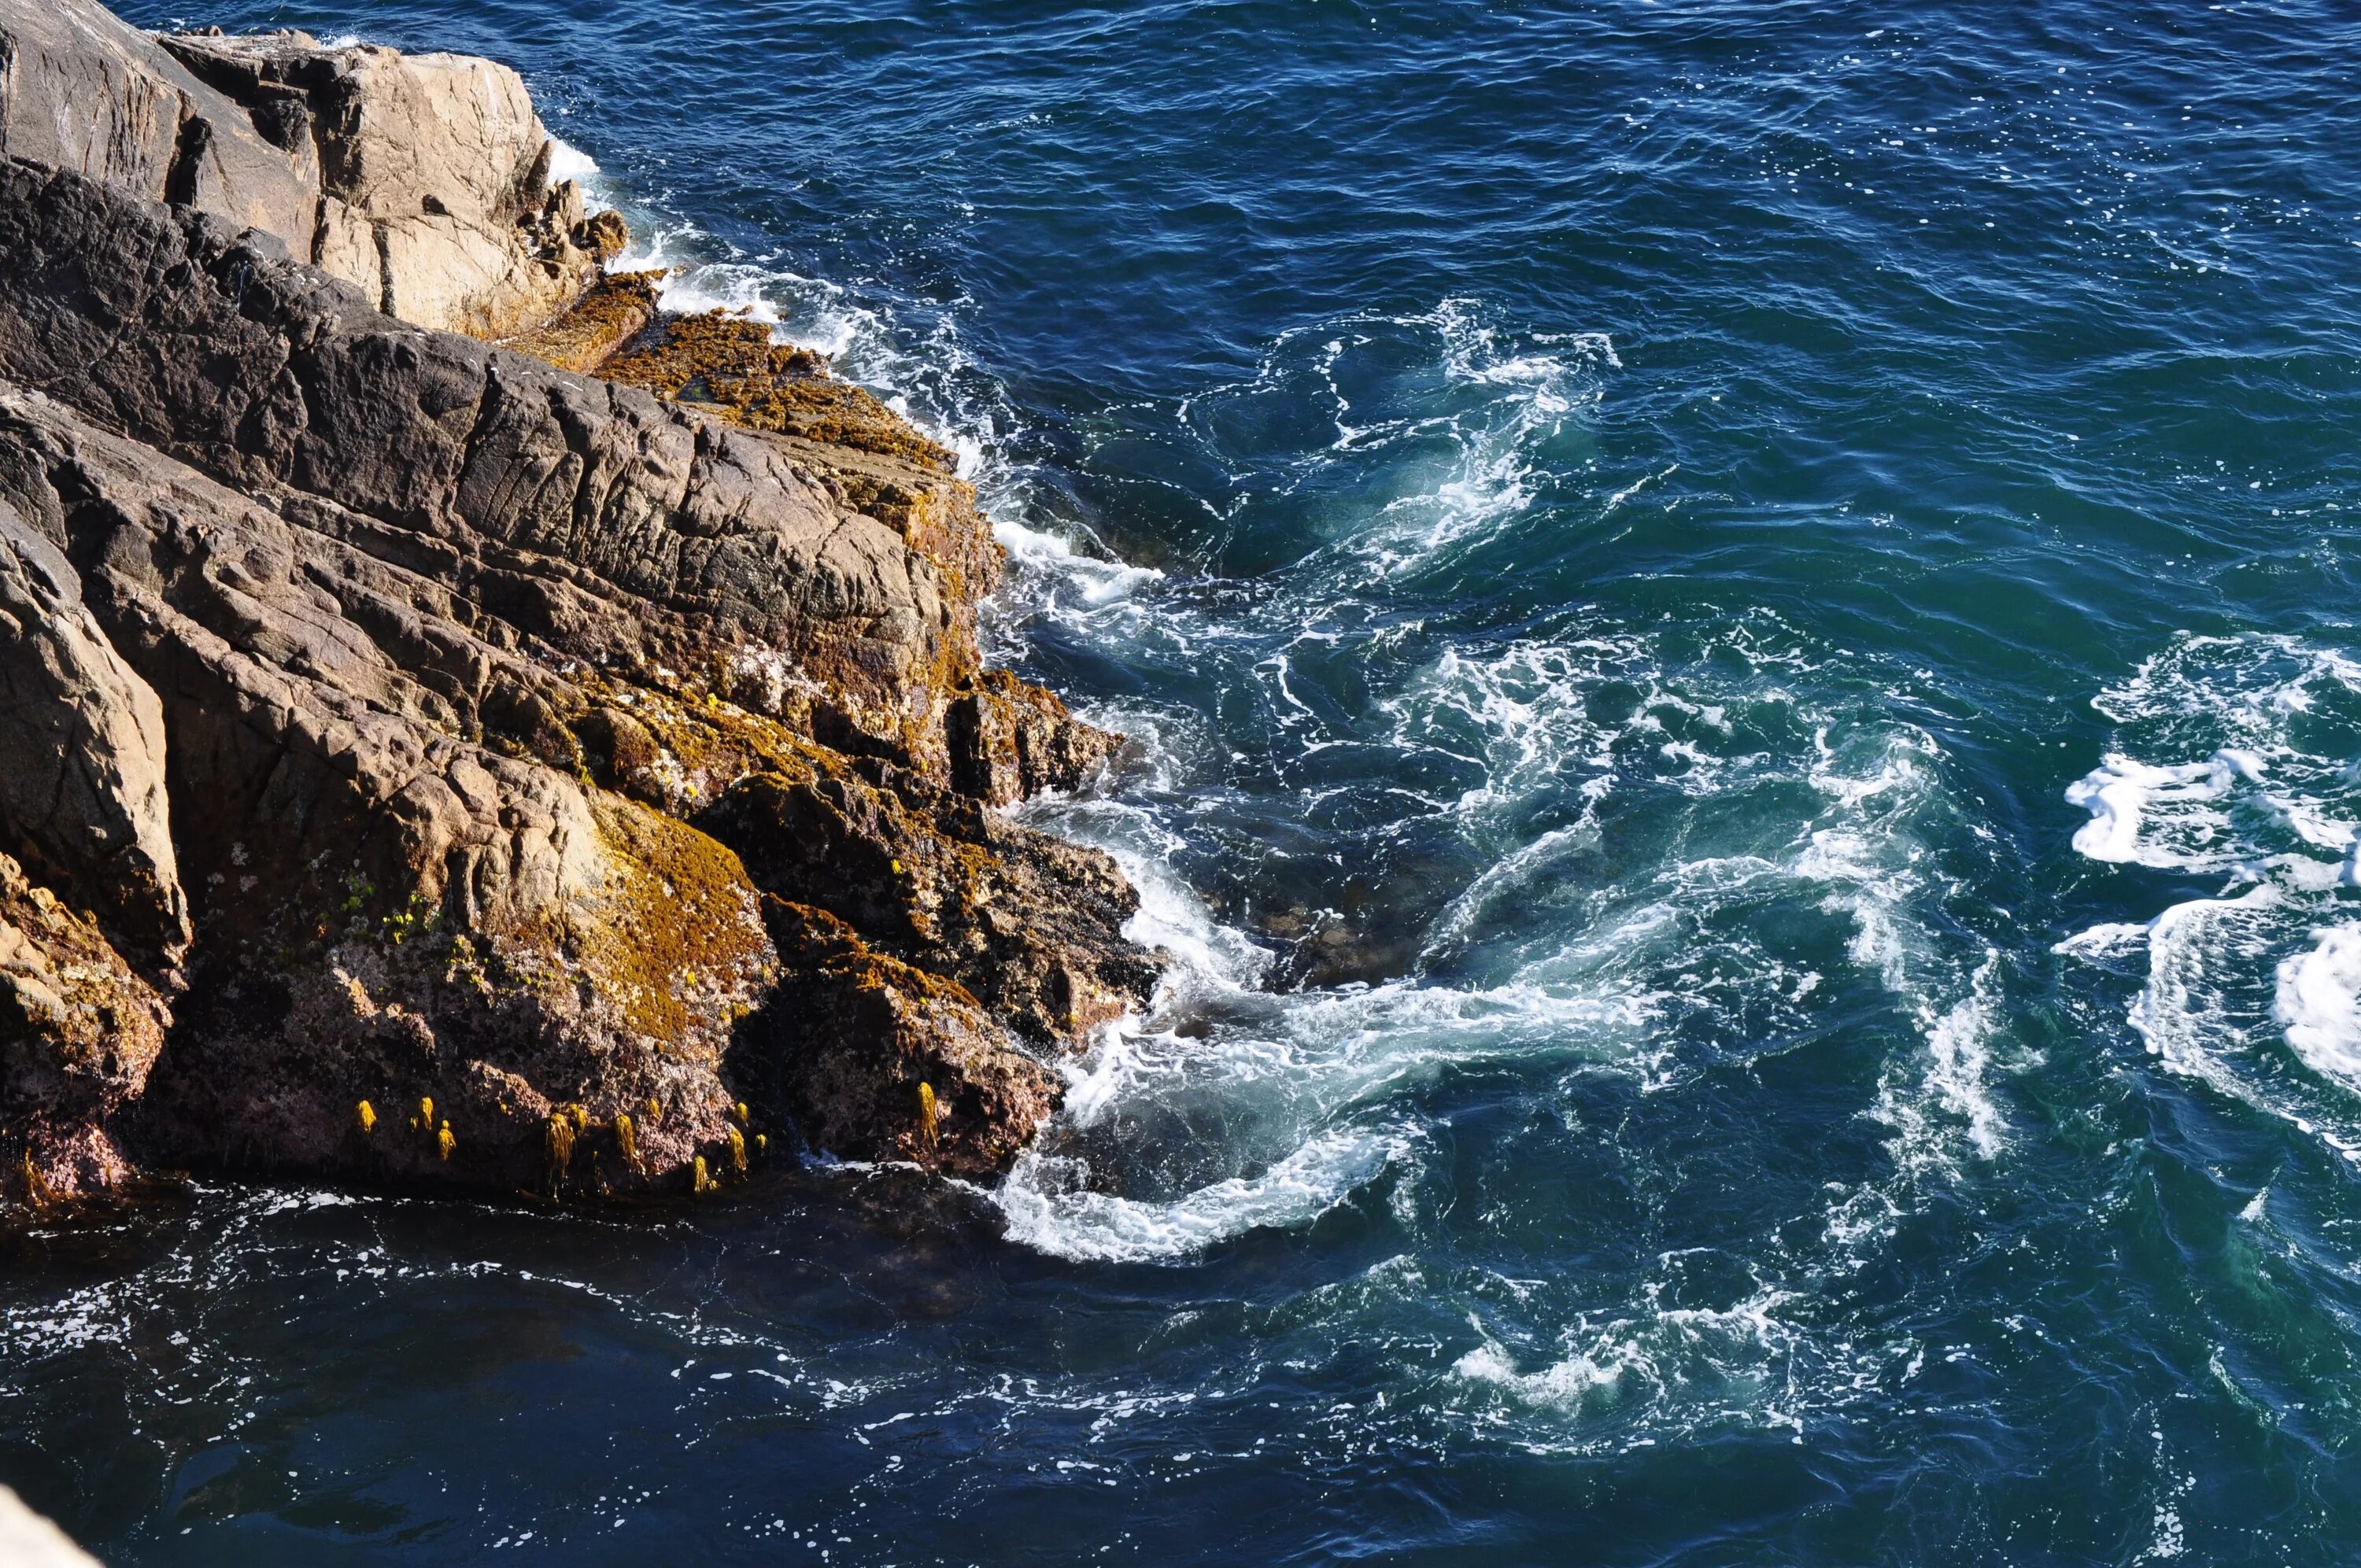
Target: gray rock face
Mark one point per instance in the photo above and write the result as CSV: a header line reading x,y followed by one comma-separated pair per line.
x,y
83,90
391,911
610,525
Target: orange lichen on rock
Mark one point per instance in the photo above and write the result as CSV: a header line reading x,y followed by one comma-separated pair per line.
x,y
79,1032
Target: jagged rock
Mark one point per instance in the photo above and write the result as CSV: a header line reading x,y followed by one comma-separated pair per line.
x,y
849,1037
81,754
1009,740
726,361
389,910
591,516
422,179
604,234
1030,925
434,178
79,1033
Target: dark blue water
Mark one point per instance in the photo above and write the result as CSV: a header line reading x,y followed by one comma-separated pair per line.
x,y
1621,527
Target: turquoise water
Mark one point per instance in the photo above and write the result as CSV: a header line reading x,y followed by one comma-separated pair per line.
x,y
1742,619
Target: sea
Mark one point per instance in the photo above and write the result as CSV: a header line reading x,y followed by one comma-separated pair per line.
x,y
1743,628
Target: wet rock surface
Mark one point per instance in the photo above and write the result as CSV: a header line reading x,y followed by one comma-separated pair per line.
x,y
429,765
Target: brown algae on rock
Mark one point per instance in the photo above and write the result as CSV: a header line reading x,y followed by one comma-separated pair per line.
x,y
617,308
726,363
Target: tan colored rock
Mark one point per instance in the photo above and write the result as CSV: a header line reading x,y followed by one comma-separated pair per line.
x,y
28,1540
447,272
345,246
406,133
422,180
434,174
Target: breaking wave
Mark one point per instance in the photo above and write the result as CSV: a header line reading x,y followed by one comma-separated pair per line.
x,y
2231,763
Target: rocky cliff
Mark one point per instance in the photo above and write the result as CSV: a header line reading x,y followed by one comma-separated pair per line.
x,y
426,762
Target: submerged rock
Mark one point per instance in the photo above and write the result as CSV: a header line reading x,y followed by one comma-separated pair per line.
x,y
432,766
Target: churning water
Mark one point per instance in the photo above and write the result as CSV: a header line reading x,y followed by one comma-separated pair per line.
x,y
1742,622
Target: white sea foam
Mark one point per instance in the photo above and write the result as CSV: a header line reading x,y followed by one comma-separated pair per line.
x,y
1958,1043
1097,580
1888,789
2319,1004
1533,391
1297,1075
2113,938
1303,1086
1664,1369
567,161
2119,792
1077,1222
2233,759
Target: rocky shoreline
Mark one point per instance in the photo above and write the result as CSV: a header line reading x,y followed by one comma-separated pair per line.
x,y
563,768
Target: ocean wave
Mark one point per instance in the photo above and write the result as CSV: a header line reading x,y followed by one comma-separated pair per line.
x,y
2232,760
1799,801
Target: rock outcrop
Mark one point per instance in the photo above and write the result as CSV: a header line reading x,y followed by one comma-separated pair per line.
x,y
81,754
434,177
422,180
79,1034
425,764
82,90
